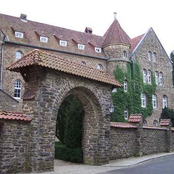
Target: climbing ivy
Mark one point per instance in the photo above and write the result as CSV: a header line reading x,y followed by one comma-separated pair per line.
x,y
132,98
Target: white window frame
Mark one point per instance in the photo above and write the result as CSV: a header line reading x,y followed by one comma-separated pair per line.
x,y
149,76
124,54
17,89
126,114
157,77
63,43
155,123
97,50
154,57
19,34
18,55
99,66
143,100
144,75
43,39
83,63
125,86
114,90
161,78
154,101
81,46
150,56
165,102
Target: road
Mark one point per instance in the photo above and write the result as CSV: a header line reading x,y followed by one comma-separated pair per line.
x,y
163,165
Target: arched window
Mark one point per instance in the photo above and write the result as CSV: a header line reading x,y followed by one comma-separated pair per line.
x,y
83,62
126,114
17,89
155,123
150,56
124,54
99,66
143,100
125,86
144,122
165,103
160,78
19,54
154,56
156,77
149,76
154,101
144,75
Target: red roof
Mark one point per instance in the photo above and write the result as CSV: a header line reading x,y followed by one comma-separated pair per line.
x,y
134,42
122,125
135,118
44,59
116,35
165,122
11,115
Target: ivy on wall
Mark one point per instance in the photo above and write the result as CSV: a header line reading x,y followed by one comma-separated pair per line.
x,y
131,99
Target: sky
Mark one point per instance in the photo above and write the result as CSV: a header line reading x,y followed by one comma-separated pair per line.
x,y
135,16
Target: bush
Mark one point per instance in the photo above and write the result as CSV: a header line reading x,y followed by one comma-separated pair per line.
x,y
68,154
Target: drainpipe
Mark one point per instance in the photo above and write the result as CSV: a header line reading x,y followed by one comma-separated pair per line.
x,y
2,58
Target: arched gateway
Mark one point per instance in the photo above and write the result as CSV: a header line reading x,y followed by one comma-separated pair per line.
x,y
49,80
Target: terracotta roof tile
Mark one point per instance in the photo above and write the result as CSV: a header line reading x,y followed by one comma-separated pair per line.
x,y
116,35
154,127
134,42
11,115
165,122
122,125
45,59
135,118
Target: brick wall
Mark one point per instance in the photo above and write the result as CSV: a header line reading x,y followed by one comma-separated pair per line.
x,y
14,146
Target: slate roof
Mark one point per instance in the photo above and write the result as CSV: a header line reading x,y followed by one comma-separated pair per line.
x,y
135,118
12,115
116,35
44,59
122,125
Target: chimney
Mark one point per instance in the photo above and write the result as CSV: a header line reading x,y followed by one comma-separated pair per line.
x,y
88,30
23,17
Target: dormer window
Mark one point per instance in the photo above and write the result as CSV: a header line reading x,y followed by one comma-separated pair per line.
x,y
19,34
63,43
97,49
99,67
43,39
81,46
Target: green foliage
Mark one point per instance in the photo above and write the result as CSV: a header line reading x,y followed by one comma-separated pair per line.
x,y
132,98
168,113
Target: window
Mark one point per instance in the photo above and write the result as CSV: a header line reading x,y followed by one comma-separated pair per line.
x,y
18,55
126,114
143,100
43,39
150,56
81,46
63,43
156,77
124,54
83,63
155,123
17,89
144,123
99,66
164,101
114,90
154,101
154,57
160,78
19,34
125,86
98,50
149,76
144,75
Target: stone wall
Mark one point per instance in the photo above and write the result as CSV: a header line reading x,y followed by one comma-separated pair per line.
x,y
14,147
123,143
173,140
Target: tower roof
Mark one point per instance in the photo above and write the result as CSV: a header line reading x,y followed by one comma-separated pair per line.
x,y
116,35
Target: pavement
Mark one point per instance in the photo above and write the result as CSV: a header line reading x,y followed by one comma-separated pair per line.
x,y
62,167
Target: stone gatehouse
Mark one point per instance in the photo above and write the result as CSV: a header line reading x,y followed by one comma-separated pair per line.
x,y
48,82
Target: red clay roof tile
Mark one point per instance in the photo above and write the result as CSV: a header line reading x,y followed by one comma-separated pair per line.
x,y
122,125
165,122
135,118
45,59
11,115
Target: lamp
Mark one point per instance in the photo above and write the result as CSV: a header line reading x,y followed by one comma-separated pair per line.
x,y
111,108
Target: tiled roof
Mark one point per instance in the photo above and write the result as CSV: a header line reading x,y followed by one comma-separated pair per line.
x,y
154,127
122,125
44,59
165,122
32,31
134,42
116,35
11,115
135,118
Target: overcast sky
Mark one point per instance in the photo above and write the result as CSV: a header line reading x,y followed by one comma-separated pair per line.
x,y
135,16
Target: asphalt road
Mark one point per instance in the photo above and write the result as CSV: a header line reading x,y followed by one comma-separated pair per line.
x,y
163,165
